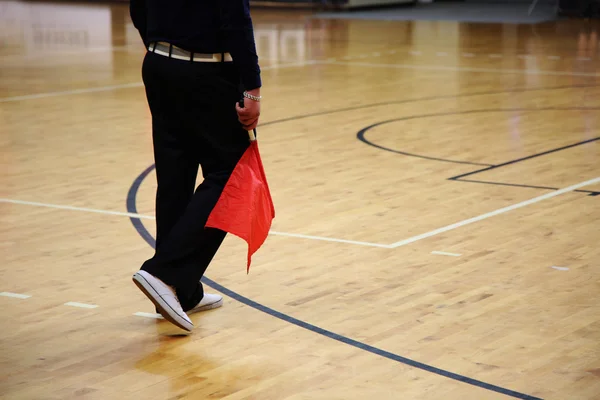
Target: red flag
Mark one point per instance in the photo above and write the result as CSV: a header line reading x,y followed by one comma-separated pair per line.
x,y
245,207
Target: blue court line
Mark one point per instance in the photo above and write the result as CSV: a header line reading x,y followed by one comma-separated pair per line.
x,y
143,232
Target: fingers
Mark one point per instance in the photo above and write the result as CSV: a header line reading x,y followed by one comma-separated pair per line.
x,y
248,116
244,119
248,121
251,127
247,111
250,124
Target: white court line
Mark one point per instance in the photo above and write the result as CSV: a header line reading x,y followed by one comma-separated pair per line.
x,y
128,85
80,305
67,52
70,92
443,253
91,210
494,213
561,268
15,295
148,315
135,215
369,244
302,64
326,239
465,69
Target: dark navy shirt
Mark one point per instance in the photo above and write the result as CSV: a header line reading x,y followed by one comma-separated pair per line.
x,y
202,26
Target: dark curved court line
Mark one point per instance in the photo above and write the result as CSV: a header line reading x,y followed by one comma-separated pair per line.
x,y
361,135
143,232
363,106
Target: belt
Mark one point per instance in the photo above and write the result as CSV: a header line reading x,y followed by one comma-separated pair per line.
x,y
168,50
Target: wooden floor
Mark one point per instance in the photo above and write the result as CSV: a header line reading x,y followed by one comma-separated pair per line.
x,y
438,211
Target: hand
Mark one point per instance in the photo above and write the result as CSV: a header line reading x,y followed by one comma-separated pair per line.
x,y
248,116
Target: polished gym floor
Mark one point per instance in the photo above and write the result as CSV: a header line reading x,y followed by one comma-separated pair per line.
x,y
437,196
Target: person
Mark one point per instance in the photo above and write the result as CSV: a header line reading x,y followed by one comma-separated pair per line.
x,y
200,62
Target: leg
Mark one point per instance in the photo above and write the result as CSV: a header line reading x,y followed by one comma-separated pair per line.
x,y
185,254
176,173
176,166
200,98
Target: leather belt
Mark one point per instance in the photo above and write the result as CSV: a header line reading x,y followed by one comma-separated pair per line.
x,y
168,50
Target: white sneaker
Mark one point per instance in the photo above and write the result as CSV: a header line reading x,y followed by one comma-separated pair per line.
x,y
208,302
164,298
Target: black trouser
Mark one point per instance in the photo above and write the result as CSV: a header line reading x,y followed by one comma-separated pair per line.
x,y
194,123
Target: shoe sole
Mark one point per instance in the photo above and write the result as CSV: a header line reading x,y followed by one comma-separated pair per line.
x,y
207,307
162,306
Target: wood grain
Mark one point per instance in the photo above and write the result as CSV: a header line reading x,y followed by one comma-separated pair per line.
x,y
499,313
